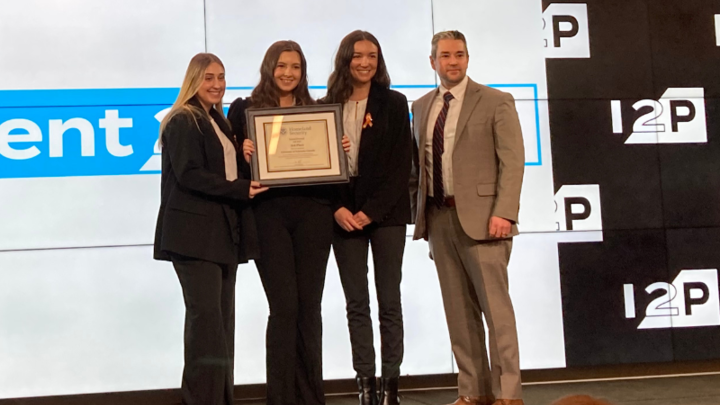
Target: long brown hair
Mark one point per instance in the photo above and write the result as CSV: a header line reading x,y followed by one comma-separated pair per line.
x,y
340,83
266,93
194,76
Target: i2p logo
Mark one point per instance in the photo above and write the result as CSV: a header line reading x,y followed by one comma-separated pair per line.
x,y
691,300
678,117
566,31
577,208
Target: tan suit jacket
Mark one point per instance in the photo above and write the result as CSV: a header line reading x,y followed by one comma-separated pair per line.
x,y
488,160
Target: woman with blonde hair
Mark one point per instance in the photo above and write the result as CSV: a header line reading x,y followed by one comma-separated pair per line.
x,y
295,228
205,227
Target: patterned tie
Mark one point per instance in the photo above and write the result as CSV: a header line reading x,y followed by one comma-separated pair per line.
x,y
438,145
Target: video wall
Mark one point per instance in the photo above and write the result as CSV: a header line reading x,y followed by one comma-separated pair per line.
x,y
617,260
634,111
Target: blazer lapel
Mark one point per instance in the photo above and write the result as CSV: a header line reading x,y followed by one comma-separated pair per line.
x,y
213,147
422,140
425,114
222,124
216,159
472,96
369,132
423,130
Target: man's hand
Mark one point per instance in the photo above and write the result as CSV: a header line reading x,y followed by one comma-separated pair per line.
x,y
499,227
346,143
362,219
345,219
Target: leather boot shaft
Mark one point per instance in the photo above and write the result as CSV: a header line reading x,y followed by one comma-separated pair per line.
x,y
389,391
368,390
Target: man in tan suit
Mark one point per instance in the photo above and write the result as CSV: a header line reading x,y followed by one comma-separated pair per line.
x,y
467,174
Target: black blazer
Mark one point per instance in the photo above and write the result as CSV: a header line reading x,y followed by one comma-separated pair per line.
x,y
202,215
321,194
384,162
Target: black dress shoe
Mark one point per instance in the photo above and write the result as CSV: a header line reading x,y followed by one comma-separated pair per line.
x,y
368,390
389,391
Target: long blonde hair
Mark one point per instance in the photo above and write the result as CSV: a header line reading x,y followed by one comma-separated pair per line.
x,y
194,77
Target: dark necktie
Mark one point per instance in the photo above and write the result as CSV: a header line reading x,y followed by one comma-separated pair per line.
x,y
438,145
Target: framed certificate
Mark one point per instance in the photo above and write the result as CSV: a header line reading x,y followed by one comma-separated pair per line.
x,y
297,146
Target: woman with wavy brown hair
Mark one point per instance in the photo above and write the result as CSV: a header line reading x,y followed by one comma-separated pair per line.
x,y
295,232
373,209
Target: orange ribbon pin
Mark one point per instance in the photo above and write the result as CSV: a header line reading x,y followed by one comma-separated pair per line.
x,y
368,121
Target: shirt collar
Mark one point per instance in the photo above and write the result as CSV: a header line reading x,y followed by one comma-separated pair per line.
x,y
458,91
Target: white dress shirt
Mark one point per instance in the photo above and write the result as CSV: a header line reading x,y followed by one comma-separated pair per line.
x,y
353,119
451,121
229,153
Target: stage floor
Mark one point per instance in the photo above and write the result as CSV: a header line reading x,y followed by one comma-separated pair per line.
x,y
695,390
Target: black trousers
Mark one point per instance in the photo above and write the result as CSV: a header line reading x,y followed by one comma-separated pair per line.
x,y
351,253
209,293
295,236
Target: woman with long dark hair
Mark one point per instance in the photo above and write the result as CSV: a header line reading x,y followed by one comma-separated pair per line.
x,y
205,226
295,232
374,208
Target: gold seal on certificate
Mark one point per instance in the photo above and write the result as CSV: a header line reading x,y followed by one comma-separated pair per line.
x,y
297,145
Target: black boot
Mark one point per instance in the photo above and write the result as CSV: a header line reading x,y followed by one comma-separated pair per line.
x,y
389,391
368,390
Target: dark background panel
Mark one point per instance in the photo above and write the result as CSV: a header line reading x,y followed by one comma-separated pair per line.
x,y
690,249
691,177
660,201
597,330
586,151
620,65
684,47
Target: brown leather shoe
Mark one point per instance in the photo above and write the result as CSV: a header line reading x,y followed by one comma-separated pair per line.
x,y
463,400
508,402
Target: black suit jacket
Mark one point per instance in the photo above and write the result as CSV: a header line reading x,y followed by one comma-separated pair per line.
x,y
384,161
202,215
